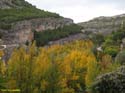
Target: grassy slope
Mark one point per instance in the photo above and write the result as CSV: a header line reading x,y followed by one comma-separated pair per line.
x,y
21,10
12,15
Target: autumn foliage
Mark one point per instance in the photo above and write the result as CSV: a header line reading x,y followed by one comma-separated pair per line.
x,y
69,68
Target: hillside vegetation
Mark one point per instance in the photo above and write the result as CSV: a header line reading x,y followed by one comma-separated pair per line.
x,y
69,68
93,65
19,4
20,10
7,4
12,15
42,38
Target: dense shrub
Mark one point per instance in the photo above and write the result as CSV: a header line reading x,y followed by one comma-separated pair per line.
x,y
111,50
5,26
108,41
97,38
116,36
111,82
14,14
112,43
44,37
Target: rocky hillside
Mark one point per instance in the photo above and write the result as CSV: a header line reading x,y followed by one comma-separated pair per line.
x,y
7,4
18,19
104,25
22,31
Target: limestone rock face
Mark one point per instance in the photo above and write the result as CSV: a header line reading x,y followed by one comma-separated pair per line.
x,y
104,25
22,31
19,32
113,82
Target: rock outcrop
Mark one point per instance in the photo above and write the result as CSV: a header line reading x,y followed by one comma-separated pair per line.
x,y
120,57
22,31
79,36
104,25
113,82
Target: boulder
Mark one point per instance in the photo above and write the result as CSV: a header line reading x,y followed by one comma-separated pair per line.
x,y
120,57
113,82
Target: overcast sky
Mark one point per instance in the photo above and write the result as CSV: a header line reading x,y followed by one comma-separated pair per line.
x,y
82,10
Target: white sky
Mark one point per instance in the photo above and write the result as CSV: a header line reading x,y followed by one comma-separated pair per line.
x,y
81,10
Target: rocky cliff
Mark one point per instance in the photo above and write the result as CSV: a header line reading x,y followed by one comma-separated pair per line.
x,y
18,19
22,31
104,25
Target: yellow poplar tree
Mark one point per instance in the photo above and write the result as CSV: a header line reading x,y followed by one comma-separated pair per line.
x,y
92,71
20,69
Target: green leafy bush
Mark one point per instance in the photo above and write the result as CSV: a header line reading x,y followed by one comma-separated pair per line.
x,y
118,35
111,50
